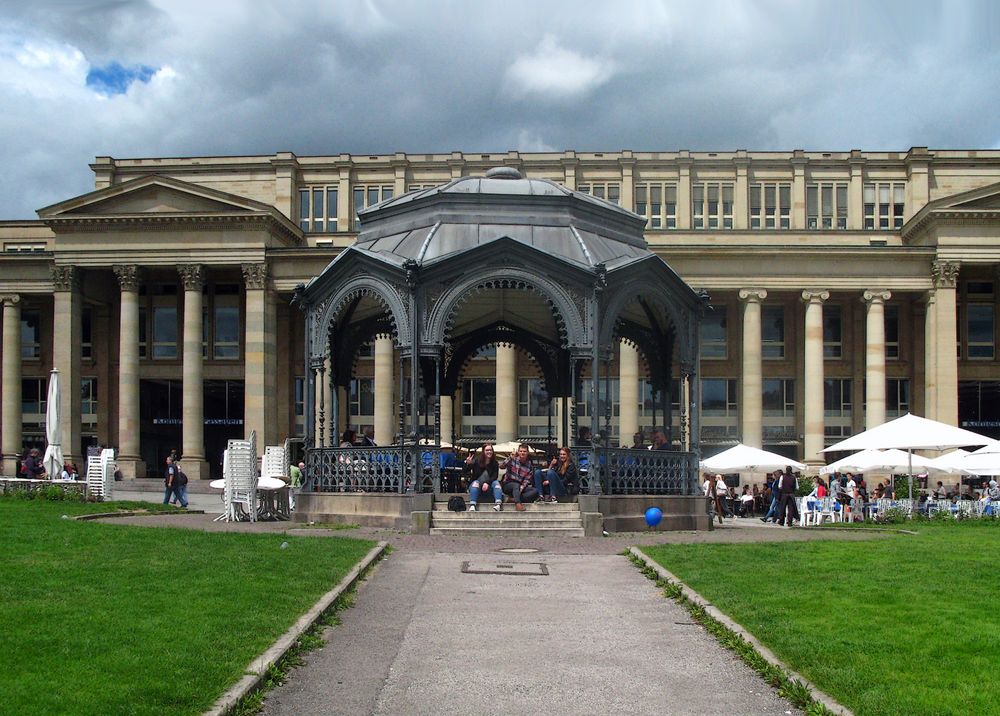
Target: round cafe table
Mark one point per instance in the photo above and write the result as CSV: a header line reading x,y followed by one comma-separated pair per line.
x,y
272,493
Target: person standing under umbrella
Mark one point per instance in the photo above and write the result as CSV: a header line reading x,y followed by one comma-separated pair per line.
x,y
788,511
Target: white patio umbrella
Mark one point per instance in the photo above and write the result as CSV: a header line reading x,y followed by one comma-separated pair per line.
x,y
743,458
910,433
993,446
53,460
977,463
890,461
509,447
951,462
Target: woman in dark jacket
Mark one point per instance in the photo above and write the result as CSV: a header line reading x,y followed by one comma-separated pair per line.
x,y
559,479
31,467
484,474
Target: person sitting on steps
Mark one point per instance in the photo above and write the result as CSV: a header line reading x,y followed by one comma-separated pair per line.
x,y
484,472
558,479
519,478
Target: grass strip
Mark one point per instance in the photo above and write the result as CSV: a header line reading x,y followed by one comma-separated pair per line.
x,y
788,687
105,618
899,624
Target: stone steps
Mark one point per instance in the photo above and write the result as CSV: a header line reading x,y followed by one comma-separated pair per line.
x,y
542,519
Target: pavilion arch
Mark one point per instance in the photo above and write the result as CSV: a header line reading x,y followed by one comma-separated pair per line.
x,y
569,323
359,287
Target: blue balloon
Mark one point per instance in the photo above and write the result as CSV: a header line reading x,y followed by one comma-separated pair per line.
x,y
653,516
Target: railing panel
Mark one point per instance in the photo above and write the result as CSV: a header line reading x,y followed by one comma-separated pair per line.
x,y
623,471
370,469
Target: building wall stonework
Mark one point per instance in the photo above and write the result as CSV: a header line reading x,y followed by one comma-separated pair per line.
x,y
921,227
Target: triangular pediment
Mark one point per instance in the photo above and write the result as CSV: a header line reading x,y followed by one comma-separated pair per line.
x,y
974,205
152,195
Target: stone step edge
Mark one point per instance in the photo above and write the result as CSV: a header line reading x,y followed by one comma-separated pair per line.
x,y
515,532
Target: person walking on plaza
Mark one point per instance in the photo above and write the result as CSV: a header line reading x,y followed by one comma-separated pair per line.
x,y
172,479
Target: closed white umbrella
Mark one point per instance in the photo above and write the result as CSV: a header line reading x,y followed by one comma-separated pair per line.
x,y
53,460
743,458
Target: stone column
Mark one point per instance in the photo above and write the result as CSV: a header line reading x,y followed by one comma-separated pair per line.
x,y
506,392
11,429
945,275
930,358
628,393
193,391
68,330
627,163
855,192
751,397
447,417
260,363
812,408
385,425
741,210
875,357
129,461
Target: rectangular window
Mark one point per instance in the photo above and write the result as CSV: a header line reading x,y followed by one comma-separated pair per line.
x,y
34,397
837,397
779,397
583,407
609,191
88,401
164,332
362,399
897,397
532,401
718,397
300,395
20,247
712,205
713,334
87,331
226,323
479,397
833,334
31,346
658,203
892,332
826,205
979,331
772,331
884,205
318,208
366,195
770,206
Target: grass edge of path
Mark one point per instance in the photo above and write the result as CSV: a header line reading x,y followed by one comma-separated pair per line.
x,y
255,688
789,684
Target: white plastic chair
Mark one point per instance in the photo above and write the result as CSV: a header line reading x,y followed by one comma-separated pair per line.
x,y
826,511
101,475
240,475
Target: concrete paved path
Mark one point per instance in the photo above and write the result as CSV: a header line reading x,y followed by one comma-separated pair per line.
x,y
594,636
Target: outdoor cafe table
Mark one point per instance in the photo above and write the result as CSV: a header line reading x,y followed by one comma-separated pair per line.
x,y
272,498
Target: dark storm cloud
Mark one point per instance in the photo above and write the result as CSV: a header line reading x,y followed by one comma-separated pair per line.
x,y
366,77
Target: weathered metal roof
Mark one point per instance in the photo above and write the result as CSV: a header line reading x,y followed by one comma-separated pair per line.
x,y
428,225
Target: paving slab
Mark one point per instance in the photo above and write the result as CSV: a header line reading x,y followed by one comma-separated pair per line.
x,y
590,635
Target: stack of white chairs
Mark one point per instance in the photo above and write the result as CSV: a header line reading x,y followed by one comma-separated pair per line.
x,y
275,463
101,475
239,470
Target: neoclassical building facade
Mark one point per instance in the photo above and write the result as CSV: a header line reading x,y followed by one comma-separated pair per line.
x,y
846,288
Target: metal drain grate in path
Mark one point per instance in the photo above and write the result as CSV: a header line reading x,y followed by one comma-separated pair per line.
x,y
520,569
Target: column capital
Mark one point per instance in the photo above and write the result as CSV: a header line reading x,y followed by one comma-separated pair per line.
x,y
10,299
872,296
255,276
65,278
815,296
129,276
192,276
753,295
945,273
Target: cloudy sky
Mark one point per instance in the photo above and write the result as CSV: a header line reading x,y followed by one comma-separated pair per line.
x,y
141,78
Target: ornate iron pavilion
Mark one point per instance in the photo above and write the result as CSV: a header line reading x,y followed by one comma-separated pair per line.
x,y
446,271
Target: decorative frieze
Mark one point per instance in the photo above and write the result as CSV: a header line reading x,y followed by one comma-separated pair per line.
x,y
192,276
255,276
129,276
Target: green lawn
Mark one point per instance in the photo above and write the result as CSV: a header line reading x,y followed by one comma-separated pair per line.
x,y
109,619
903,625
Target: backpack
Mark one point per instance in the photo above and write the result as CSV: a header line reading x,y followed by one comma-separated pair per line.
x,y
456,503
181,480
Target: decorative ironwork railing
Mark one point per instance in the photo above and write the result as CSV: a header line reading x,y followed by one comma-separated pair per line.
x,y
619,471
372,469
622,471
